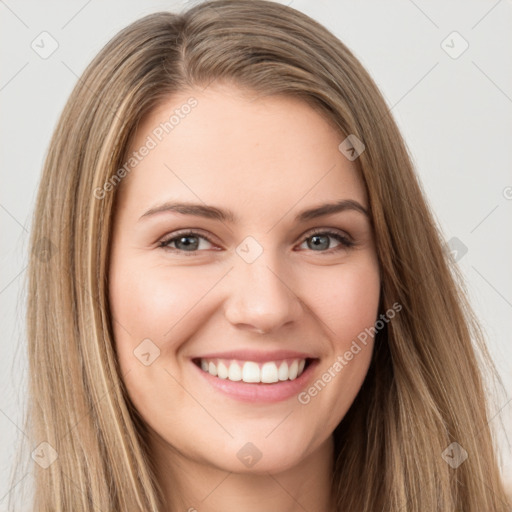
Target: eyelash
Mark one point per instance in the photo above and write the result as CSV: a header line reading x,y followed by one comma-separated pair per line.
x,y
345,242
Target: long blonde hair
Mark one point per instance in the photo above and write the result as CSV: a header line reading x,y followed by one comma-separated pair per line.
x,y
425,386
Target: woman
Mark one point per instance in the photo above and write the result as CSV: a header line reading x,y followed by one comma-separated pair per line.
x,y
189,346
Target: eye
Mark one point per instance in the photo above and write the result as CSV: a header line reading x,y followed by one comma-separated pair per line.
x,y
319,240
190,242
186,241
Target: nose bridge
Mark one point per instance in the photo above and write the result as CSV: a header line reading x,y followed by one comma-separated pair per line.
x,y
261,292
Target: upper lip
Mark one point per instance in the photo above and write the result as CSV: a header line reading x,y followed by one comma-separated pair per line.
x,y
256,355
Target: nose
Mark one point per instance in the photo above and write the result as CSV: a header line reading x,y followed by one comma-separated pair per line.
x,y
261,296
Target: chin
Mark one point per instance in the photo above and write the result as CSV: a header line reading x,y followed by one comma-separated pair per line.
x,y
259,456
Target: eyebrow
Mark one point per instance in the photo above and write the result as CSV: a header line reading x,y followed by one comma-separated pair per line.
x,y
212,212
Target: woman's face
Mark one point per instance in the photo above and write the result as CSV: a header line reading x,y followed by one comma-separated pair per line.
x,y
235,313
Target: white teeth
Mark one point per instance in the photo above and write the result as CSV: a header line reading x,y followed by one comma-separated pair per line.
x,y
292,371
234,372
269,373
283,371
212,369
251,372
222,370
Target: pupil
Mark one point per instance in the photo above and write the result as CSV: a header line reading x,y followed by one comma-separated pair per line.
x,y
187,246
317,244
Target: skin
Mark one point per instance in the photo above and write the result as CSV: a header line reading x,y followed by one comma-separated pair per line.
x,y
266,159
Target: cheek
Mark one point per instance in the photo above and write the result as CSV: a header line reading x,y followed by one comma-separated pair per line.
x,y
347,299
347,304
147,302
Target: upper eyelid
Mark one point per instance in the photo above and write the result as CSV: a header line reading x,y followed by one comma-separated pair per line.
x,y
192,231
319,231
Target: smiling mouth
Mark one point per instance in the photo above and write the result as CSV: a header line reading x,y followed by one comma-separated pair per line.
x,y
269,372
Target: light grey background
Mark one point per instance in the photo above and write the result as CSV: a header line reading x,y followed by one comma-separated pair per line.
x,y
455,115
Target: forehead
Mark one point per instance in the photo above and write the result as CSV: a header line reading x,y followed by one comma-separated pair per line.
x,y
225,146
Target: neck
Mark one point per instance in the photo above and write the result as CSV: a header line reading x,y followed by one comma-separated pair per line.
x,y
190,486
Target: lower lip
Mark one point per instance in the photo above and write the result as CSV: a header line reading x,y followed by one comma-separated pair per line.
x,y
258,392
